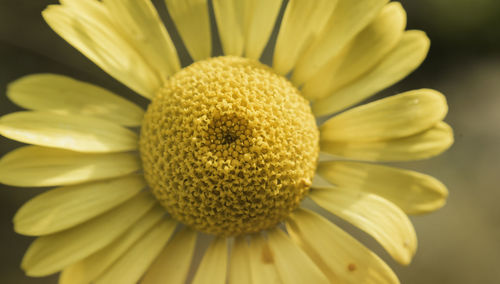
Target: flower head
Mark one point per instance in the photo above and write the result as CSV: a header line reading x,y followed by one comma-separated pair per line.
x,y
228,147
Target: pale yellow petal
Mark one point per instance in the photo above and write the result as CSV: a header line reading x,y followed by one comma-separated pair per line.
x,y
52,253
413,192
230,19
262,264
130,267
347,20
191,18
261,16
140,22
64,95
393,117
302,22
239,267
92,32
72,132
66,207
174,261
342,258
406,56
212,269
361,54
381,219
293,265
41,166
422,145
89,268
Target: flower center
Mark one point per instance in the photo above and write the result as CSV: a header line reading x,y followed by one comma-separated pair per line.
x,y
228,146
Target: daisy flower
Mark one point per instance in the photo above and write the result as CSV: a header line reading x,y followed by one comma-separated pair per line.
x,y
228,147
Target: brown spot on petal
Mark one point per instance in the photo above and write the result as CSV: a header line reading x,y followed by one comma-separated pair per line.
x,y
267,255
351,267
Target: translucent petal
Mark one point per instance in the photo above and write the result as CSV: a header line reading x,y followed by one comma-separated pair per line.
x,y
413,192
72,132
239,267
381,219
64,95
66,207
52,253
422,145
212,269
302,22
262,265
340,256
393,117
192,20
230,18
42,166
408,54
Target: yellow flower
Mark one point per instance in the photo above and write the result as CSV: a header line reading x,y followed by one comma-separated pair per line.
x,y
228,147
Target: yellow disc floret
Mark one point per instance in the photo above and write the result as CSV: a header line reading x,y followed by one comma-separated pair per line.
x,y
229,146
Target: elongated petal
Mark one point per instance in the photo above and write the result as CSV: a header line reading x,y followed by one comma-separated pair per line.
x,y
239,267
261,16
174,261
262,265
406,56
89,268
381,219
393,117
361,54
64,95
140,22
212,269
347,20
340,257
49,254
293,265
302,22
130,267
230,18
413,192
422,145
66,207
193,23
92,32
42,166
72,132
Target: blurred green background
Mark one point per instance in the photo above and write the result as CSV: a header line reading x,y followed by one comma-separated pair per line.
x,y
459,244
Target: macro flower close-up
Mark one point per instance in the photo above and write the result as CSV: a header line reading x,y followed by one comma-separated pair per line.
x,y
249,152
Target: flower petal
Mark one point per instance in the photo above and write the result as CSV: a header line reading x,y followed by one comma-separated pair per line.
x,y
49,254
41,166
262,265
230,18
408,54
66,207
212,269
139,21
72,132
347,20
340,256
261,16
64,95
393,117
302,22
89,268
293,265
130,267
192,20
87,27
361,54
239,268
413,192
422,145
174,260
381,219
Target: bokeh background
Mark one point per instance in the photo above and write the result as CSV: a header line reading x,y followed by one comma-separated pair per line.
x,y
459,244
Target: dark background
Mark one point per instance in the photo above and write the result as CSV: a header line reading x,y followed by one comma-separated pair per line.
x,y
459,244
